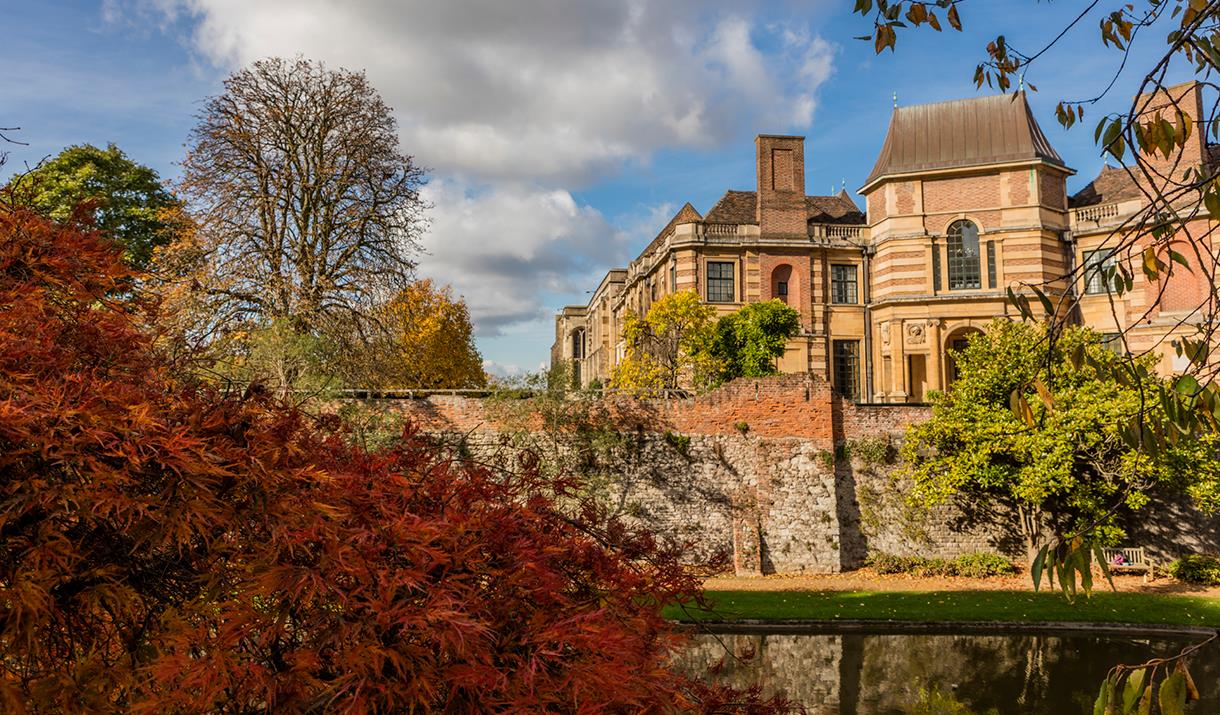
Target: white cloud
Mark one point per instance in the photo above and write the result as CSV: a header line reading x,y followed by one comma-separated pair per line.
x,y
504,246
549,90
513,104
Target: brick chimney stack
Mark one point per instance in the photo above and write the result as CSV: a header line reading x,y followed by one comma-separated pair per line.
x,y
780,210
1187,98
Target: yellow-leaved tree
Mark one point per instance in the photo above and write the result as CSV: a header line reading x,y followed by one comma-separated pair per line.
x,y
431,341
670,347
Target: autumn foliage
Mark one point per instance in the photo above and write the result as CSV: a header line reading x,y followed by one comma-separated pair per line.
x,y
430,341
168,548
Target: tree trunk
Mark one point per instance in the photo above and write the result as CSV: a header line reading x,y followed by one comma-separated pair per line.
x,y
1032,531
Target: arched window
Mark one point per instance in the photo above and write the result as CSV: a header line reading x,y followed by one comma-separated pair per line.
x,y
963,245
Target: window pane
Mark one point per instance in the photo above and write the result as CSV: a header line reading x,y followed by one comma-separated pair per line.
x,y
963,244
847,368
843,284
935,267
991,264
1097,265
720,282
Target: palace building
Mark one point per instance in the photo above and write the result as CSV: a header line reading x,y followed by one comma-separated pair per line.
x,y
966,199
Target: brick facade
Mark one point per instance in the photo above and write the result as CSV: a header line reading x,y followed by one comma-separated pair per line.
x,y
912,278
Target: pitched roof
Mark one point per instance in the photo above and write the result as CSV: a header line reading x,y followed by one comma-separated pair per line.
x,y
739,207
1112,184
1116,184
962,133
833,209
734,207
686,214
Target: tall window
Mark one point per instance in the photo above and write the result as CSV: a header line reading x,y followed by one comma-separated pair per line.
x,y
673,277
720,282
847,368
578,344
963,244
935,267
991,264
1098,267
843,284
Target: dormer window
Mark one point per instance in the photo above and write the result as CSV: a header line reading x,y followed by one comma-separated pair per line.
x,y
963,250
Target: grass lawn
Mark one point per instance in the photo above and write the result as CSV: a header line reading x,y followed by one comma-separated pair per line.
x,y
1103,607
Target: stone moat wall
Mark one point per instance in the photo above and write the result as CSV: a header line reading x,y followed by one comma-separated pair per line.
x,y
779,471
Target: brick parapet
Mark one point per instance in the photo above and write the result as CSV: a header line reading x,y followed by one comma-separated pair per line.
x,y
781,406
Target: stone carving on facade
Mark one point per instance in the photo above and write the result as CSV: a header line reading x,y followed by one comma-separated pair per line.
x,y
916,333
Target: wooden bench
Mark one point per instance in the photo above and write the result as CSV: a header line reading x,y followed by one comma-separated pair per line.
x,y
1133,561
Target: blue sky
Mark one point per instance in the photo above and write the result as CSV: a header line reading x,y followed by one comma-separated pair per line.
x,y
560,135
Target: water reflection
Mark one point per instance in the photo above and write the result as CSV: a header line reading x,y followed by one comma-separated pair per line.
x,y
959,674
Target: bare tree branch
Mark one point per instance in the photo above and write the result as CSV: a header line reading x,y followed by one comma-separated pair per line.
x,y
307,209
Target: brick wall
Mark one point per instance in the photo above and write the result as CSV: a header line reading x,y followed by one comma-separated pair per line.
x,y
780,495
1185,290
904,197
1052,189
781,185
782,406
800,295
961,194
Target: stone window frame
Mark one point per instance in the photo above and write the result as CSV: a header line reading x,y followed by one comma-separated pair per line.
x,y
1096,272
991,264
845,367
844,292
964,271
719,280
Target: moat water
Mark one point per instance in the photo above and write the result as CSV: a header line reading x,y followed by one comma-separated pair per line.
x,y
941,673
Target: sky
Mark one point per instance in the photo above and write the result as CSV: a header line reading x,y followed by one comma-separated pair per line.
x,y
559,136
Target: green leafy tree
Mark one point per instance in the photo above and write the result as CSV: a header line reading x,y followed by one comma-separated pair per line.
x,y
1051,433
123,199
284,359
670,347
749,341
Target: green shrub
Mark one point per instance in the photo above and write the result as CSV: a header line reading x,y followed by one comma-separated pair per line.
x,y
872,451
742,427
889,563
1197,568
933,567
982,564
680,443
976,565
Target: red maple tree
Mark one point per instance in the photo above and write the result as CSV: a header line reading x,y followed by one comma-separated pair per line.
x,y
167,547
